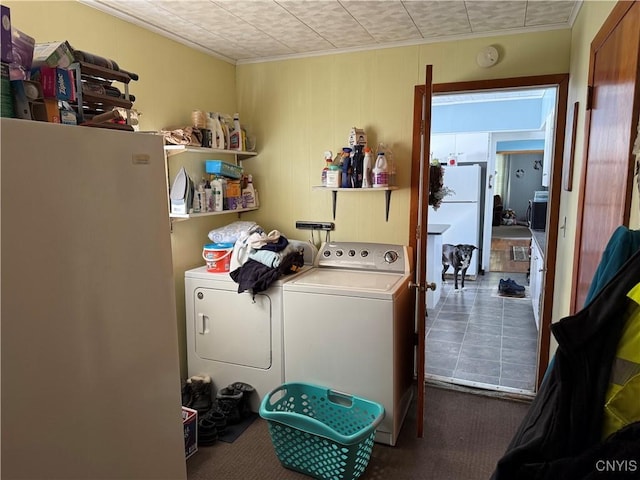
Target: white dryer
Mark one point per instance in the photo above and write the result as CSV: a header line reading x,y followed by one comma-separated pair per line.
x,y
236,337
348,325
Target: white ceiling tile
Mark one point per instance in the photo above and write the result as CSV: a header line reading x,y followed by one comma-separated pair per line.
x,y
386,21
486,16
278,23
548,12
439,18
331,21
252,30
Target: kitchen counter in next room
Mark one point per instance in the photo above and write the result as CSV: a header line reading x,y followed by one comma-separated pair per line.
x,y
434,261
540,237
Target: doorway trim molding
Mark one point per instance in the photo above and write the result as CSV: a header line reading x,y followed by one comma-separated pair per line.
x,y
561,81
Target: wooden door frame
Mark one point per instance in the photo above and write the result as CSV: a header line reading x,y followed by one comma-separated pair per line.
x,y
561,81
607,28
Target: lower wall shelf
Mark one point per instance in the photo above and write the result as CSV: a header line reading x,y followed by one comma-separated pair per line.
x,y
186,216
334,192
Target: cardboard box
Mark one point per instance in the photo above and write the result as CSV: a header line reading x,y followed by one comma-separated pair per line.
x,y
56,82
190,425
21,105
5,34
53,54
46,110
22,46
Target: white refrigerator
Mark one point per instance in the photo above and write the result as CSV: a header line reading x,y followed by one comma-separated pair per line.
x,y
90,366
461,210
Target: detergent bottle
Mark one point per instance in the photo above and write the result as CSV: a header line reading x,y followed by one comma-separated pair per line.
x,y
381,172
236,134
216,187
249,193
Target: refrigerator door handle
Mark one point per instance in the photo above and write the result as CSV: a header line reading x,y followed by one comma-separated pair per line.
x,y
203,324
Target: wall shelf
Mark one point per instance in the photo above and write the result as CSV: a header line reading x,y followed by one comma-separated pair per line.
x,y
177,149
186,216
334,193
173,150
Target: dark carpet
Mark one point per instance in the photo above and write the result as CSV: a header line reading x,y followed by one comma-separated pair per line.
x,y
464,436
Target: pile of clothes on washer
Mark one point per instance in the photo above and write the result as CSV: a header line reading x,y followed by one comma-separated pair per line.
x,y
259,258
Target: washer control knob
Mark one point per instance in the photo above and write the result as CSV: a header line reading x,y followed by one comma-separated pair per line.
x,y
364,253
390,256
200,296
326,253
339,253
352,253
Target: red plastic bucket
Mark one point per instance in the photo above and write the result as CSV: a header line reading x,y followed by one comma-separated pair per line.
x,y
217,256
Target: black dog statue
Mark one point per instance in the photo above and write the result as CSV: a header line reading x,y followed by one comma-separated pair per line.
x,y
458,257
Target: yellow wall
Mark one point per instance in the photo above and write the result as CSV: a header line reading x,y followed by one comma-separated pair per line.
x,y
302,107
299,108
592,15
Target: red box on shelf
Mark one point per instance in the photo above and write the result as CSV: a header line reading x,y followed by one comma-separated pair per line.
x,y
56,83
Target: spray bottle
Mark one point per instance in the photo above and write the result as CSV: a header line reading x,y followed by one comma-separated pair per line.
x,y
328,159
367,163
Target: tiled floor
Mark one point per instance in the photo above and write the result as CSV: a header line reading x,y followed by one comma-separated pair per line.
x,y
477,338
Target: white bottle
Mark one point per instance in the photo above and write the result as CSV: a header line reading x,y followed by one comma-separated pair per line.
x,y
208,198
227,132
216,187
236,134
366,168
249,194
217,134
380,172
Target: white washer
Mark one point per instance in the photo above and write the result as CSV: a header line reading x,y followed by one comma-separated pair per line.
x,y
236,337
348,326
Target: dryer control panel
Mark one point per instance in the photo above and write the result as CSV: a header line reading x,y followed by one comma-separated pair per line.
x,y
379,257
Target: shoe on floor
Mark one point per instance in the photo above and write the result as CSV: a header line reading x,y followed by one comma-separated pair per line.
x,y
510,292
228,400
201,393
509,284
247,390
207,431
187,394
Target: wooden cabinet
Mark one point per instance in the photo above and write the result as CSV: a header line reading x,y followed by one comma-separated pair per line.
x,y
536,279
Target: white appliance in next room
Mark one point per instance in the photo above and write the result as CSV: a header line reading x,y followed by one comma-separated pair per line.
x,y
348,325
461,210
90,365
237,337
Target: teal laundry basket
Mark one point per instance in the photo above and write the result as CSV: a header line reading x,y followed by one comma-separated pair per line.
x,y
321,432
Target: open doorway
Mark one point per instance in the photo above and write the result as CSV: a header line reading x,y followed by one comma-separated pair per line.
x,y
476,338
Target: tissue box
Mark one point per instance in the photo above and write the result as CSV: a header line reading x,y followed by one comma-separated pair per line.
x,y
53,54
